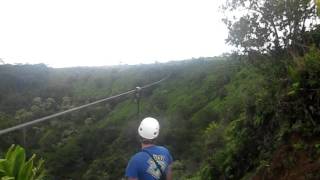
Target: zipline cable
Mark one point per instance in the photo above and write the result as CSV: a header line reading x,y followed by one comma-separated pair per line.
x,y
30,123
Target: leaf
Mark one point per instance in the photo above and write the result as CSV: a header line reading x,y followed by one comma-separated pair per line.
x,y
296,85
2,173
38,171
15,160
19,161
16,167
2,163
7,178
26,172
2,167
291,93
9,165
10,150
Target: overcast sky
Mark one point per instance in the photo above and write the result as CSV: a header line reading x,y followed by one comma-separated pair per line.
x,y
64,33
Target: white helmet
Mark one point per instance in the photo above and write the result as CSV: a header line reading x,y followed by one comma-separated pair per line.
x,y
149,128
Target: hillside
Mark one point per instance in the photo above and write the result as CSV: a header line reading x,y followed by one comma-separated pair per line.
x,y
222,118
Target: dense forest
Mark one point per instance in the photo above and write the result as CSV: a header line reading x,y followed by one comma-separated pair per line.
x,y
252,114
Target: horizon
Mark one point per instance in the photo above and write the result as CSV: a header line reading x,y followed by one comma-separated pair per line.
x,y
115,65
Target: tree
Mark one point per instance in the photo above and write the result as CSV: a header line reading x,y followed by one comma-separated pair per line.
x,y
268,25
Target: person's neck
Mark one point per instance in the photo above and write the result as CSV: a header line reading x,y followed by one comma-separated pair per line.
x,y
146,145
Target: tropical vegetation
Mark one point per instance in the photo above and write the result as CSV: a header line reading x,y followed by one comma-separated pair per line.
x,y
251,114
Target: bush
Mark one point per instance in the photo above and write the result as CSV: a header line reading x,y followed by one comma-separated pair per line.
x,y
15,166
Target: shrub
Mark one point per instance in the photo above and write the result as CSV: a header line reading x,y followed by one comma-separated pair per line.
x,y
15,166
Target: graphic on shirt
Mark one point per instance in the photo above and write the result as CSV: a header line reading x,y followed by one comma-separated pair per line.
x,y
153,170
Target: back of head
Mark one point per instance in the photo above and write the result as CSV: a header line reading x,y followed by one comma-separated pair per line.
x,y
149,129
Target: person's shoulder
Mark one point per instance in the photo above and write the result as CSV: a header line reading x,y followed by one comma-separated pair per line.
x,y
162,148
136,156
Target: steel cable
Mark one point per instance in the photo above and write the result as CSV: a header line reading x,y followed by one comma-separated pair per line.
x,y
30,123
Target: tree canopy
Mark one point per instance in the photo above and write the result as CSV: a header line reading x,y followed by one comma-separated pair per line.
x,y
269,25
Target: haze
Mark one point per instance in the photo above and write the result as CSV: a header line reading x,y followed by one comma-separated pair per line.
x,y
64,33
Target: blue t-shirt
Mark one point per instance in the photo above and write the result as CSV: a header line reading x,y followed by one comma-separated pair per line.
x,y
142,166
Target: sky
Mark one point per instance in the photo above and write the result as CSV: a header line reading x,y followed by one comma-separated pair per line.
x,y
66,33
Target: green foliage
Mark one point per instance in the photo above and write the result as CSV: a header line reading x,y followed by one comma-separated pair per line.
x,y
269,24
304,92
298,146
15,166
196,103
220,117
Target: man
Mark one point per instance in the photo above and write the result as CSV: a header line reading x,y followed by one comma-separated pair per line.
x,y
153,162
